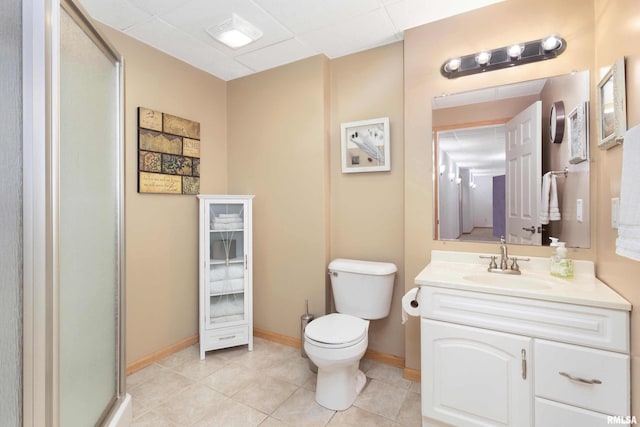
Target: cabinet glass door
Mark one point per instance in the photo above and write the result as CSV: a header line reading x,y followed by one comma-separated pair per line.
x,y
227,268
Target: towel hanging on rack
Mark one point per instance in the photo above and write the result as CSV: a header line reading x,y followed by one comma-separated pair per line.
x,y
628,241
549,210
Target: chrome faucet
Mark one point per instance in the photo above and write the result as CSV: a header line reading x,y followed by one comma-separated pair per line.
x,y
504,256
504,267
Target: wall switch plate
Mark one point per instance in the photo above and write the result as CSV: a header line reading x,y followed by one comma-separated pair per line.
x,y
579,210
615,212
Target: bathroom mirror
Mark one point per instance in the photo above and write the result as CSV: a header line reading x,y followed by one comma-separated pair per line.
x,y
491,150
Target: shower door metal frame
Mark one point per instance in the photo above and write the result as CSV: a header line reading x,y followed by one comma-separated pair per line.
x,y
41,124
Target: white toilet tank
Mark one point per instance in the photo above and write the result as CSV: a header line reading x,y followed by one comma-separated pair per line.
x,y
362,288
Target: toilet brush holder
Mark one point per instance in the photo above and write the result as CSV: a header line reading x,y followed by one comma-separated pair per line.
x,y
304,321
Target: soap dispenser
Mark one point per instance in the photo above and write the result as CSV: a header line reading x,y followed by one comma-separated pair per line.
x,y
561,266
555,259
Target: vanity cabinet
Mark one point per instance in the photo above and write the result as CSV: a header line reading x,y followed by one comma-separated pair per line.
x,y
501,360
226,275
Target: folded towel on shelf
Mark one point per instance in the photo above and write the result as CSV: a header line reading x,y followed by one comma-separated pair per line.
x,y
228,226
227,305
228,215
230,285
628,241
222,272
226,220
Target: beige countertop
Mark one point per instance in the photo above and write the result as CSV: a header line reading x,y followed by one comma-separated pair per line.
x,y
467,271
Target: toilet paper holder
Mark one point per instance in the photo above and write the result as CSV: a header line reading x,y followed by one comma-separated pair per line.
x,y
414,302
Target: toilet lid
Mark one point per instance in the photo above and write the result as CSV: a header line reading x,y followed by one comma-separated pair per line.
x,y
336,328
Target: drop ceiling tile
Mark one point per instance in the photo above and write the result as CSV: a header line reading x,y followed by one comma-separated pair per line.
x,y
302,16
175,42
157,7
198,15
275,55
412,13
355,34
119,14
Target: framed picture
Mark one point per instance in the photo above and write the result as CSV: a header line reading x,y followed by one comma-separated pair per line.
x,y
365,146
612,111
579,133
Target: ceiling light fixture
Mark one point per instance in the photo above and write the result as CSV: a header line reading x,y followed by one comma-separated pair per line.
x,y
235,32
503,57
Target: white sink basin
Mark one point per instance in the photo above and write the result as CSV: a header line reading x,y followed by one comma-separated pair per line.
x,y
512,281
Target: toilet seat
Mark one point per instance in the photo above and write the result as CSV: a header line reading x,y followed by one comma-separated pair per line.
x,y
336,330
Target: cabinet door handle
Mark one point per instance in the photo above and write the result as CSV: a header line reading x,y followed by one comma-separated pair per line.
x,y
524,364
580,380
230,337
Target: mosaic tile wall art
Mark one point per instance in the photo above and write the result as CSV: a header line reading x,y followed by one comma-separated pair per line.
x,y
168,153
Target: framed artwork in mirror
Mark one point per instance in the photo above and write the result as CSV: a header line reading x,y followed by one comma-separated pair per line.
x,y
579,133
612,111
365,146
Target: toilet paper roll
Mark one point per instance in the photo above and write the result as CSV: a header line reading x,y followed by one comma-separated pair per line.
x,y
407,309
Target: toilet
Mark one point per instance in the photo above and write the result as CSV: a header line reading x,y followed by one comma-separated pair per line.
x,y
336,342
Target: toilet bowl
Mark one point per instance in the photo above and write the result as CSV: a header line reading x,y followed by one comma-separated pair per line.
x,y
336,342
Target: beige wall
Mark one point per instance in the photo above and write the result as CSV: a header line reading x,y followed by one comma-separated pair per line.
x,y
278,150
162,230
426,47
617,34
367,209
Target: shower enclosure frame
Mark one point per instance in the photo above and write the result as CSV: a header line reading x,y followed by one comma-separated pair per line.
x,y
41,192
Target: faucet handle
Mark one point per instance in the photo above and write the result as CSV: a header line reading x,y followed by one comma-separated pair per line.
x,y
493,264
514,263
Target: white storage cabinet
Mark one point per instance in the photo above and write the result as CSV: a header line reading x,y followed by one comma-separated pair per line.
x,y
226,275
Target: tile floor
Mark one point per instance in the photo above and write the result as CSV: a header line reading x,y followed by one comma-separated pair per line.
x,y
269,387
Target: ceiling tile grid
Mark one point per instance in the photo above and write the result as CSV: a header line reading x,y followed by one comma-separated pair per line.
x,y
292,29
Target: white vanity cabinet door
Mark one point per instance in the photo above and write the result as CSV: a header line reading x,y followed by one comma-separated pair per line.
x,y
475,377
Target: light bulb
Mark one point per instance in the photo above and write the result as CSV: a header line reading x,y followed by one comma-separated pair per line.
x,y
514,51
453,64
550,43
483,58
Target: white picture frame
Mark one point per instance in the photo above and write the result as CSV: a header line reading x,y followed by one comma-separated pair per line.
x,y
611,109
366,146
579,133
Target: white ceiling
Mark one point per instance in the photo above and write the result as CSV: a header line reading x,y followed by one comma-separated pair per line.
x,y
293,29
480,149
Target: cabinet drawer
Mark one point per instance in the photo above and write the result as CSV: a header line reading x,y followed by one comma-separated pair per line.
x,y
226,337
591,326
554,414
609,372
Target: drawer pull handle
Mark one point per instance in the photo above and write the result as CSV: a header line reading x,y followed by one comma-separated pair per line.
x,y
230,337
580,380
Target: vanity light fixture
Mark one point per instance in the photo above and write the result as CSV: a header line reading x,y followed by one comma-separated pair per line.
x,y
442,169
235,32
452,175
503,57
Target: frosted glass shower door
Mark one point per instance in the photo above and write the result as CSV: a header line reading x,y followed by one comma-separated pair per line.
x,y
89,225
